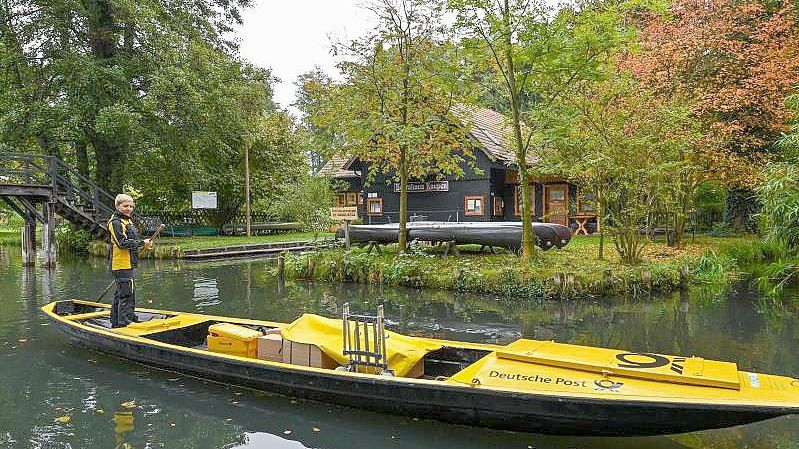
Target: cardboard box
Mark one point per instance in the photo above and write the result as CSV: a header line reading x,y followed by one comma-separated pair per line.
x,y
306,355
270,347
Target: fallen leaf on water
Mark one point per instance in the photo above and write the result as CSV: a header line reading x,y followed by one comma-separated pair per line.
x,y
100,411
91,361
129,404
62,419
171,424
287,432
316,429
22,340
45,324
228,419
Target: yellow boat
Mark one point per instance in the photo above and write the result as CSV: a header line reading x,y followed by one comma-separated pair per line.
x,y
527,385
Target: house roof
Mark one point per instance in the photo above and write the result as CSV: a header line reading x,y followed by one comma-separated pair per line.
x,y
488,127
491,130
337,167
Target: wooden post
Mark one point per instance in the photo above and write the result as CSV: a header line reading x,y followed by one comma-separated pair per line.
x,y
347,235
646,277
557,279
570,279
684,273
29,241
281,265
49,246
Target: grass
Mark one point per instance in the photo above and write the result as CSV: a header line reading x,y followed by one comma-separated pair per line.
x,y
9,237
572,272
174,247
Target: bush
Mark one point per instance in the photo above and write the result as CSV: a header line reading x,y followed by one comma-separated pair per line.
x,y
76,241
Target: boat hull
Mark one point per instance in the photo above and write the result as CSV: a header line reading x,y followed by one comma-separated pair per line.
x,y
497,234
433,400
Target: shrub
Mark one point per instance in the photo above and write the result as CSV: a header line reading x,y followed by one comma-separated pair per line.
x,y
76,241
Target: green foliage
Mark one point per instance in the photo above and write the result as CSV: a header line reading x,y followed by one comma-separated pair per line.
x,y
720,229
307,202
149,94
75,241
529,56
709,202
394,108
715,268
779,195
502,275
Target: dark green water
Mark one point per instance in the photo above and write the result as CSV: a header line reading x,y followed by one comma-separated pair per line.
x,y
42,378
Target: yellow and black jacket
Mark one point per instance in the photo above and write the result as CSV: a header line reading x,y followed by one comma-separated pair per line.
x,y
125,243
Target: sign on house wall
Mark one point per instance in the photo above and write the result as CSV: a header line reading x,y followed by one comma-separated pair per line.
x,y
430,186
203,200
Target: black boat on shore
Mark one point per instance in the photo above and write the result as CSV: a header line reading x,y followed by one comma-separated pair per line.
x,y
506,234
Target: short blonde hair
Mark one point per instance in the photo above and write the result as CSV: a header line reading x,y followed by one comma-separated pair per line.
x,y
121,198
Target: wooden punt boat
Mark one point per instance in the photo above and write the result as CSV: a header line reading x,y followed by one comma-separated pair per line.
x,y
527,385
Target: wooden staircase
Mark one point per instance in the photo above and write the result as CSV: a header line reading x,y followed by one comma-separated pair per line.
x,y
38,186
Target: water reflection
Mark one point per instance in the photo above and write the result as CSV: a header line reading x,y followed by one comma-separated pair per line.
x,y
44,378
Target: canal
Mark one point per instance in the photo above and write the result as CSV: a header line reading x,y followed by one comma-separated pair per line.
x,y
55,396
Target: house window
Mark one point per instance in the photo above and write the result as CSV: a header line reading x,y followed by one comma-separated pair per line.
x,y
473,205
340,200
499,206
352,198
517,200
587,203
374,206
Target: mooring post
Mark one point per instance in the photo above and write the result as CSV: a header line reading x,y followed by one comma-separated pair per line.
x,y
29,241
684,273
49,245
646,277
347,235
281,265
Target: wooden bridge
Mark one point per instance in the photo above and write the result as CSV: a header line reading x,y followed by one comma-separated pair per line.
x,y
38,187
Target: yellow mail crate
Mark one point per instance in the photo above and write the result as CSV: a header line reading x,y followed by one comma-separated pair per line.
x,y
233,339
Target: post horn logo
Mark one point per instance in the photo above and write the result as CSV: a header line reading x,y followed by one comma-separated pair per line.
x,y
607,385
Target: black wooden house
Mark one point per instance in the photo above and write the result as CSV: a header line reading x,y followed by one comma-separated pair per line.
x,y
492,195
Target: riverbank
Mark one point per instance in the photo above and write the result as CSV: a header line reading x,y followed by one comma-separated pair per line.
x,y
570,273
179,247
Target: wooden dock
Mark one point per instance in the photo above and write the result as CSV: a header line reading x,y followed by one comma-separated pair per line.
x,y
254,250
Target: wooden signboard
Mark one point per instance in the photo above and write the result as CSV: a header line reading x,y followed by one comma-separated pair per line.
x,y
344,213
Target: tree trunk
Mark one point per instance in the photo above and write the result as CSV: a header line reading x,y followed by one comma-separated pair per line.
x,y
600,224
102,35
403,208
528,247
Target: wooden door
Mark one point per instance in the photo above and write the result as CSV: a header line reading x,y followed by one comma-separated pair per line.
x,y
556,203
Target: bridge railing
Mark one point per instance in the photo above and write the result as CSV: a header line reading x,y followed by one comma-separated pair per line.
x,y
25,169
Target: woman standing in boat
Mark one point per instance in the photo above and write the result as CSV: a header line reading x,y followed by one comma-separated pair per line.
x,y
123,257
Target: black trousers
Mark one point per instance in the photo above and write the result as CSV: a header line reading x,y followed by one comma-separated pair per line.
x,y
124,299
